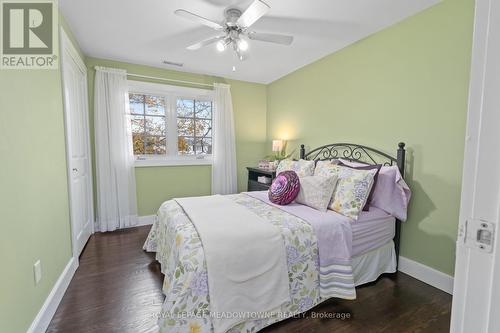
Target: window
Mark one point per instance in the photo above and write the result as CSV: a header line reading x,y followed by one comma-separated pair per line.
x,y
170,125
194,126
149,124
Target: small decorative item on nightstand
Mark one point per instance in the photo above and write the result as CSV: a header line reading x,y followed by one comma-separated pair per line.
x,y
264,164
279,153
253,179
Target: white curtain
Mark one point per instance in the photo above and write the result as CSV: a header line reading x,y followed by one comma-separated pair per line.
x,y
116,196
224,146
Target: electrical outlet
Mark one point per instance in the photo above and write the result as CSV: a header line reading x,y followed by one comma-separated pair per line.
x,y
37,270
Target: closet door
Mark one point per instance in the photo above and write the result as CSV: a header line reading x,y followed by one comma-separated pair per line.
x,y
74,74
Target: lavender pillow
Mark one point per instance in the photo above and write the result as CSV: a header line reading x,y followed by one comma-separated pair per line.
x,y
284,188
392,194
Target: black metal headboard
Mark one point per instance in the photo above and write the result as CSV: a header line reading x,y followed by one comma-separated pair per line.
x,y
364,154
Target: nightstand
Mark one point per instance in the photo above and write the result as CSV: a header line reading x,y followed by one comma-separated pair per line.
x,y
253,184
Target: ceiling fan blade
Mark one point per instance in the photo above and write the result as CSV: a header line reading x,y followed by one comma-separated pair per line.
x,y
203,43
254,12
200,19
271,38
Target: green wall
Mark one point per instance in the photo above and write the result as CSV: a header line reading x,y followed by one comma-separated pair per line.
x,y
407,83
158,184
33,192
250,111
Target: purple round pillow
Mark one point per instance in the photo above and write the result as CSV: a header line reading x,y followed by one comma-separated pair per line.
x,y
284,188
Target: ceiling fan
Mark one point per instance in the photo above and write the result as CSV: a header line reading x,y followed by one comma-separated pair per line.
x,y
235,29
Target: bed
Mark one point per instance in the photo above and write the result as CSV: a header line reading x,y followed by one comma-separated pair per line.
x,y
373,243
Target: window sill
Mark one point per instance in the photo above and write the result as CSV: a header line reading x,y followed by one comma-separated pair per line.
x,y
172,162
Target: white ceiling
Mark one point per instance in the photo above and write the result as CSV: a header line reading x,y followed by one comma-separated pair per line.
x,y
147,32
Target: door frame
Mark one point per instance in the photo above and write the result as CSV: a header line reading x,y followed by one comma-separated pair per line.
x,y
476,300
67,46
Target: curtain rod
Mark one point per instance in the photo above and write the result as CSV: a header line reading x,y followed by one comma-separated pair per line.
x,y
170,80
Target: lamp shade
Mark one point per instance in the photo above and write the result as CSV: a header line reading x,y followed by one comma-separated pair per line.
x,y
277,145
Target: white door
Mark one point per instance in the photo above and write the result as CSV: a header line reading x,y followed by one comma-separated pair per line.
x,y
476,294
74,74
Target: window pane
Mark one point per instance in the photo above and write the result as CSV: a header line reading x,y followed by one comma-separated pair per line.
x,y
136,103
137,123
185,127
185,145
155,126
185,107
203,109
138,144
155,145
203,128
155,105
203,146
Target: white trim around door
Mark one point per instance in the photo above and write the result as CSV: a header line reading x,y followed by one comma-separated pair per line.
x,y
476,294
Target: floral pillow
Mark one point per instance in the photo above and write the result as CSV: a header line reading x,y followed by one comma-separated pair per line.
x,y
353,188
302,168
324,168
367,167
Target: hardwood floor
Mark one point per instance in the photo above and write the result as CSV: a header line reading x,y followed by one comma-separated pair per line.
x,y
117,288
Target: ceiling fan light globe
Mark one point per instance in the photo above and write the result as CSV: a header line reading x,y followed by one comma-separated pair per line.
x,y
242,45
220,46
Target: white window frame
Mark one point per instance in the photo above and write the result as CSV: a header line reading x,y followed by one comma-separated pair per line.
x,y
171,93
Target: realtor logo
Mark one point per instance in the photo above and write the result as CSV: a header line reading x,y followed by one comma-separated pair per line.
x,y
29,34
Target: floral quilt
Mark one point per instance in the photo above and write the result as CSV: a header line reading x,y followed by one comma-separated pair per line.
x,y
179,251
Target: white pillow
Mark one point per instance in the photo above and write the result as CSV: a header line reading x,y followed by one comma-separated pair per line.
x,y
302,168
316,191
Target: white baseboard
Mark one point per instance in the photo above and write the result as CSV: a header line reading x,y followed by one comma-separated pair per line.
x,y
145,220
426,274
49,307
